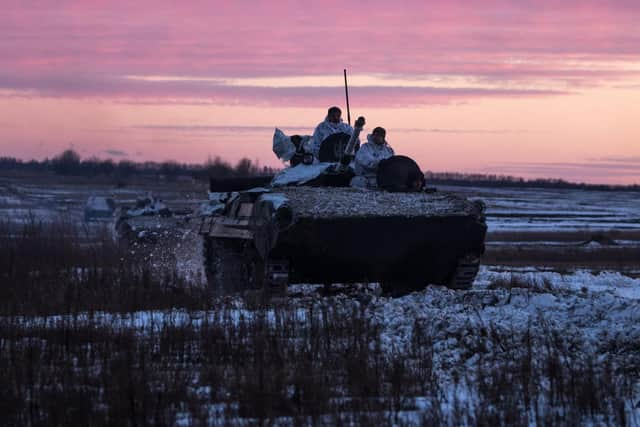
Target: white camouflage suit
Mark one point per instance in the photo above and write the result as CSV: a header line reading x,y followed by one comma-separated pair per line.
x,y
366,163
326,129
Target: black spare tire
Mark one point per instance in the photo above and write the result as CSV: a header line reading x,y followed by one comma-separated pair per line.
x,y
399,174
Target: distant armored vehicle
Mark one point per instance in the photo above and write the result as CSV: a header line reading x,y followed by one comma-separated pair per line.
x,y
99,208
308,226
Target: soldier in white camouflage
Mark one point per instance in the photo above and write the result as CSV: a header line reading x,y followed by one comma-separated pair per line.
x,y
369,157
332,124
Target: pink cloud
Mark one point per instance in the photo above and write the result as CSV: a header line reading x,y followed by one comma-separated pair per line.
x,y
593,172
59,53
218,93
267,39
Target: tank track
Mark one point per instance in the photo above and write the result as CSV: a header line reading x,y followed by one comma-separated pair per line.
x,y
465,273
224,265
233,267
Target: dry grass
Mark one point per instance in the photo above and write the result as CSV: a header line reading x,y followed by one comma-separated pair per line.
x,y
515,282
569,251
320,363
62,268
611,257
562,236
331,370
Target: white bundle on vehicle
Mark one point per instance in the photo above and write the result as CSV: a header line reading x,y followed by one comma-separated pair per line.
x,y
282,146
285,148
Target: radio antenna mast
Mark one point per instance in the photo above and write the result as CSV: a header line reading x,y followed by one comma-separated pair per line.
x,y
346,93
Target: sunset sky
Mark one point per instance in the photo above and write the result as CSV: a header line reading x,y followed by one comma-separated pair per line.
x,y
526,88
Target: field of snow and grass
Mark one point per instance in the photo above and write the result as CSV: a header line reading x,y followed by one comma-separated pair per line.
x,y
103,333
535,209
52,198
561,229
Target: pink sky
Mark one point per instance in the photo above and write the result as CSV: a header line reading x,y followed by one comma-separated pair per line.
x,y
534,89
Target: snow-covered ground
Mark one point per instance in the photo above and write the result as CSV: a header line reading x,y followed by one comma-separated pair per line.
x,y
545,290
22,200
508,209
596,315
589,319
537,209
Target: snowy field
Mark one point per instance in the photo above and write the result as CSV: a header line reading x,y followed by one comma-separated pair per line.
x,y
508,209
537,209
533,343
50,200
561,230
517,334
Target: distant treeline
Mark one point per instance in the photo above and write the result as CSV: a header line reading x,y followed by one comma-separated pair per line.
x,y
70,163
489,180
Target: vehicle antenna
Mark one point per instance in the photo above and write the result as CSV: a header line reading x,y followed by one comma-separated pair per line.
x,y
346,92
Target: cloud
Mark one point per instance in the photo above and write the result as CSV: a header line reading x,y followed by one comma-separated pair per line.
x,y
59,44
627,87
588,169
203,129
219,128
188,91
464,131
633,161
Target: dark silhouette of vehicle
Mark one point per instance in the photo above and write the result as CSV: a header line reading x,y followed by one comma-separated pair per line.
x,y
307,225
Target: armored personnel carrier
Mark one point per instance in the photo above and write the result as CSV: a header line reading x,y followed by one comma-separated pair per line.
x,y
306,225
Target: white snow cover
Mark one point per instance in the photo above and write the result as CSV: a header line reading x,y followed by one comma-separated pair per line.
x,y
216,203
596,310
606,302
299,174
221,196
277,199
100,204
590,304
341,202
542,209
99,208
257,190
210,208
152,207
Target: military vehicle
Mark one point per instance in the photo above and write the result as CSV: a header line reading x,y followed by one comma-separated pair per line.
x,y
306,225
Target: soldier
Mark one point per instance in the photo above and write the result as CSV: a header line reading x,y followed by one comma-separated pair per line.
x,y
368,158
332,124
